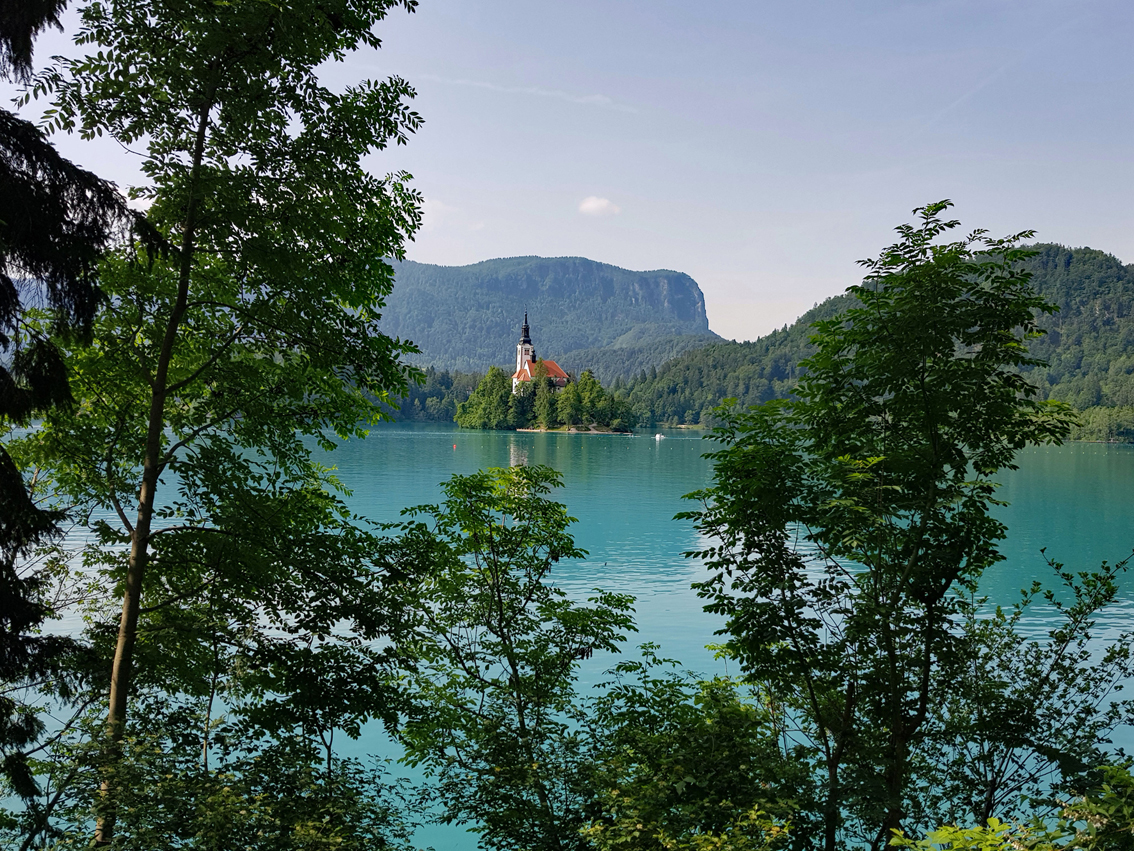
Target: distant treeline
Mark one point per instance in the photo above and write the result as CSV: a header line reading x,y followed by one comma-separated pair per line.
x,y
1089,349
436,398
1089,346
628,361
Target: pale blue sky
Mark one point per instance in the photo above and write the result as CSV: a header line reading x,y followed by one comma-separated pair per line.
x,y
760,147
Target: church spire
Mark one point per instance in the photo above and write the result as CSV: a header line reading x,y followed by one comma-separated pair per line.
x,y
525,351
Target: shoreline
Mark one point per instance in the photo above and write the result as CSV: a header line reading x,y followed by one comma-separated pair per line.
x,y
569,431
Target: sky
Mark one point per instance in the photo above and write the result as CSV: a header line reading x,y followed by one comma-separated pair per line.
x,y
760,147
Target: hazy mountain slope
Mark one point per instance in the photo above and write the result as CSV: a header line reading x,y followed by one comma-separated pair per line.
x,y
612,363
1089,346
468,317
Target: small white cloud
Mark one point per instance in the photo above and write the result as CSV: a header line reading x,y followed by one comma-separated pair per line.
x,y
595,206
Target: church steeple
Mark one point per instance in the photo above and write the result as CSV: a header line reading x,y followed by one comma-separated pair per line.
x,y
525,351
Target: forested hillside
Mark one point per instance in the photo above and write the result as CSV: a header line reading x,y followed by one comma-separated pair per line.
x,y
686,388
468,317
1090,342
1089,347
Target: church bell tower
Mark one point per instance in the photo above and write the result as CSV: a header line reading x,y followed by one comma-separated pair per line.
x,y
525,351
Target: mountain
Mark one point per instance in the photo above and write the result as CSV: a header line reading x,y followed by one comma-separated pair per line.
x,y
468,317
1089,347
685,389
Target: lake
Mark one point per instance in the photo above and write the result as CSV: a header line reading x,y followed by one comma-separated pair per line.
x,y
1076,500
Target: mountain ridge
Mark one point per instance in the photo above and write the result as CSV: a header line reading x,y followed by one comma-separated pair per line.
x,y
468,317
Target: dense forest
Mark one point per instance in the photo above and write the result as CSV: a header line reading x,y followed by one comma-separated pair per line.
x,y
468,317
626,362
684,390
435,397
1088,345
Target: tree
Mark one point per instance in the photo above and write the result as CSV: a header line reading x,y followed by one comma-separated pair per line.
x,y
496,719
1100,817
543,406
489,406
1024,720
848,523
521,405
540,403
55,222
260,326
684,763
569,405
262,794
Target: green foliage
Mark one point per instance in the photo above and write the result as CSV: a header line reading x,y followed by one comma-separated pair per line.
x,y
489,405
269,611
436,398
538,405
1105,425
687,764
844,523
1085,351
586,403
994,836
1023,718
685,389
468,317
217,536
497,647
1087,348
545,412
1100,820
623,363
57,220
279,794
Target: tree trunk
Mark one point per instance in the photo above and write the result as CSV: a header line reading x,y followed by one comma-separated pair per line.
x,y
152,465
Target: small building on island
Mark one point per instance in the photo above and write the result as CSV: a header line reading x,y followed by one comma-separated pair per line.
x,y
526,363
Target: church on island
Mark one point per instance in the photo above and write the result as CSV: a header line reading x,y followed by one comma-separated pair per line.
x,y
526,363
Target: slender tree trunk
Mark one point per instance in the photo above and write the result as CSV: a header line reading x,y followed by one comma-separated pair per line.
x,y
831,809
894,780
152,463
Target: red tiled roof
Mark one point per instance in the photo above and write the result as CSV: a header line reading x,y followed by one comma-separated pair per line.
x,y
554,371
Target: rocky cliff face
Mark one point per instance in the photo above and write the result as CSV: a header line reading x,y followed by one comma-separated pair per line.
x,y
468,317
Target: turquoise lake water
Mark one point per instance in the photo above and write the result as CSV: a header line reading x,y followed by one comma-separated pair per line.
x,y
1075,500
